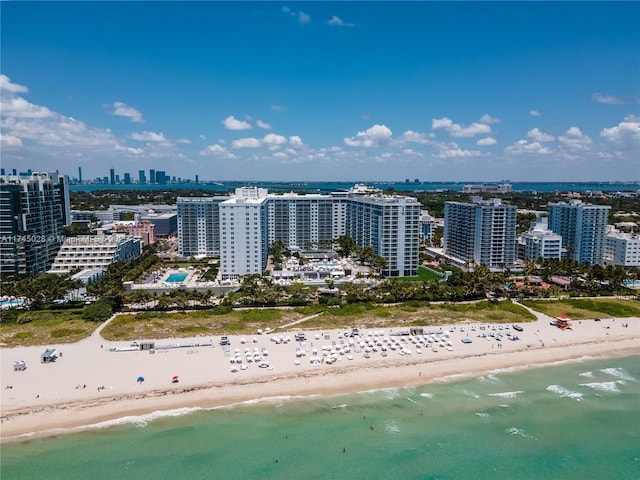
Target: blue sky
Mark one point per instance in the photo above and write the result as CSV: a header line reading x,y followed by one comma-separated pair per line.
x,y
464,91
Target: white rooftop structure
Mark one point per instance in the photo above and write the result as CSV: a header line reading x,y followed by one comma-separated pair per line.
x,y
96,251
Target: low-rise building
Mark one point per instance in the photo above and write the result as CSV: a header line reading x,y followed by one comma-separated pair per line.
x,y
540,243
166,223
622,249
96,252
144,229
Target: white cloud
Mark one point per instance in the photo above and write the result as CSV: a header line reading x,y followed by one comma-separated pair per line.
x,y
456,152
408,152
7,86
246,143
524,147
130,151
486,118
626,134
414,137
539,136
59,131
486,142
337,21
459,130
149,137
376,136
217,151
606,99
18,107
302,17
10,141
264,125
232,123
295,140
575,139
121,109
535,113
273,139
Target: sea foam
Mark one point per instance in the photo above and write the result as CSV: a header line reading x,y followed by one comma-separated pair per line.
x,y
610,387
563,392
506,394
619,373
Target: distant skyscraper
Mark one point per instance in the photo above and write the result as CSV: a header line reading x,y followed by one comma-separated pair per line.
x,y
79,174
142,178
196,178
583,227
33,211
112,176
161,177
152,176
127,179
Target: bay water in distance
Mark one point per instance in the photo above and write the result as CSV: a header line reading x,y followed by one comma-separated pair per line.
x,y
568,420
328,187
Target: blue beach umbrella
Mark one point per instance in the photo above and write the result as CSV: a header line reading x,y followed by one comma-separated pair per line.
x,y
140,379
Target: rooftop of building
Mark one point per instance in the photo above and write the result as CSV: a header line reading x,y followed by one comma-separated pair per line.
x,y
100,238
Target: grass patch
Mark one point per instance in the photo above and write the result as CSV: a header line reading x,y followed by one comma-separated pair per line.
x,y
258,315
180,324
45,327
584,308
424,275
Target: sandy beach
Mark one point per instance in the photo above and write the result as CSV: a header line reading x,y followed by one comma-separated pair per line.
x,y
91,383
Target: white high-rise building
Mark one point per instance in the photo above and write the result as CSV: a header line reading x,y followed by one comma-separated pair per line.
x,y
243,233
481,233
199,226
583,227
304,221
391,225
252,220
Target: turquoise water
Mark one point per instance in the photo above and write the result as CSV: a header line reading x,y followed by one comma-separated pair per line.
x,y
570,421
177,277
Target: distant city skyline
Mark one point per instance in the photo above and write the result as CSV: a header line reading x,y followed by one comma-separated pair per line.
x,y
331,91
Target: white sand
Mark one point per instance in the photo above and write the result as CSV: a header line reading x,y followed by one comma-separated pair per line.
x,y
50,398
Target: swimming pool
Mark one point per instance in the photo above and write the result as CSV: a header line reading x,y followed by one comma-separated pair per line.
x,y
11,304
177,277
632,284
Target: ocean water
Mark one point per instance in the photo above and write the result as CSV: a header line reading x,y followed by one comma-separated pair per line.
x,y
575,420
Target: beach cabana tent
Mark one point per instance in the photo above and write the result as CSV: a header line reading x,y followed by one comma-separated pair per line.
x,y
50,355
19,366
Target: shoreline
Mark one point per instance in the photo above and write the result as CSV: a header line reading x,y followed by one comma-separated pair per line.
x,y
208,382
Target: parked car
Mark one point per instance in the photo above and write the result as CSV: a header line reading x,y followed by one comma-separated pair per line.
x,y
224,340
517,328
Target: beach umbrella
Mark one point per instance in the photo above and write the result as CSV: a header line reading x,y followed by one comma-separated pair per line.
x,y
175,378
140,379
